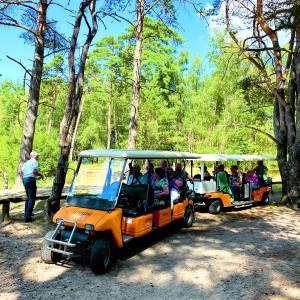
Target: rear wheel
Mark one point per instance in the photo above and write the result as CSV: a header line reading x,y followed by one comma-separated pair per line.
x,y
215,207
266,199
101,255
189,217
47,255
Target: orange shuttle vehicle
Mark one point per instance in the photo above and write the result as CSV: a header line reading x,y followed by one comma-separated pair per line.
x,y
105,209
216,193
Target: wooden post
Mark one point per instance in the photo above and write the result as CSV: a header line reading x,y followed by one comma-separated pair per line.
x,y
6,205
5,211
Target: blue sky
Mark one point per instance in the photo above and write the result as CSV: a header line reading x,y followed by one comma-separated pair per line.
x,y
193,29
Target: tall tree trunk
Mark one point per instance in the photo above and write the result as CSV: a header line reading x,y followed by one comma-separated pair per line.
x,y
116,131
69,120
76,129
109,113
286,114
34,89
284,122
136,76
50,119
293,112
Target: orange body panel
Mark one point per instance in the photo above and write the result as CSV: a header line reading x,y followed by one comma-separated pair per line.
x,y
102,220
179,209
162,217
225,198
138,226
257,195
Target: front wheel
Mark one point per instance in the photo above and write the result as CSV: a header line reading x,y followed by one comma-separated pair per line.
x,y
189,217
215,207
101,255
47,255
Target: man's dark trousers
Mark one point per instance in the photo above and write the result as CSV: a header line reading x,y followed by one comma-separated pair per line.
x,y
30,187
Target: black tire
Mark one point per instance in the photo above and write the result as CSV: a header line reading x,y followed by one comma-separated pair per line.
x,y
47,255
215,207
189,217
266,199
101,255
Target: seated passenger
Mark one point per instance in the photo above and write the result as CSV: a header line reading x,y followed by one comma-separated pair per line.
x,y
222,180
252,178
235,181
221,168
261,171
176,184
161,187
181,172
136,176
164,165
207,175
149,171
197,177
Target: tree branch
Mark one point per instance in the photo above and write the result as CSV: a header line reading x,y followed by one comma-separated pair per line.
x,y
18,3
290,55
270,136
19,63
115,16
55,51
17,25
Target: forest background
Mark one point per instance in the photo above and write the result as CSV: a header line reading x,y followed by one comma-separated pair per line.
x,y
188,103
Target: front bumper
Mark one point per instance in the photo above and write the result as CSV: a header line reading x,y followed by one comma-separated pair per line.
x,y
62,245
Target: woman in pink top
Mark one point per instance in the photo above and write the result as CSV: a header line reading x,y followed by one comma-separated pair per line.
x,y
252,178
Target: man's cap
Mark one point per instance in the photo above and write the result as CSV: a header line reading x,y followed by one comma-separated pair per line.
x,y
34,154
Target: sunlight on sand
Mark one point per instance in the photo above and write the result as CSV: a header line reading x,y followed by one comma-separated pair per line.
x,y
281,282
36,270
143,274
21,230
10,296
202,277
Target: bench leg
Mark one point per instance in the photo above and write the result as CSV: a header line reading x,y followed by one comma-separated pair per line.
x,y
5,212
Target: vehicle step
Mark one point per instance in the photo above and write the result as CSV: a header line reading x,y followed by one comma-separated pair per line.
x,y
242,204
238,203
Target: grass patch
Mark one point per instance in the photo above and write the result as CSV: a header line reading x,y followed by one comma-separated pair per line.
x,y
277,188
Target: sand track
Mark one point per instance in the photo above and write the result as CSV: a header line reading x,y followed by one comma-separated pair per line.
x,y
246,254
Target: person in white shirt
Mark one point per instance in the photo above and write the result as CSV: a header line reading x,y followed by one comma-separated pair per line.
x,y
30,174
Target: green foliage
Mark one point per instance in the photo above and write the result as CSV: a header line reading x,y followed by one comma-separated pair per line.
x,y
11,110
182,108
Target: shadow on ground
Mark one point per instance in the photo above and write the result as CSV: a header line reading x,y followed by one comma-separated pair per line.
x,y
249,254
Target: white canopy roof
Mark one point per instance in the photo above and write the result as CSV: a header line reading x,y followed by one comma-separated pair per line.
x,y
140,154
234,157
156,154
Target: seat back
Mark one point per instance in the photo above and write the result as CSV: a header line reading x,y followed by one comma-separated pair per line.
x,y
139,196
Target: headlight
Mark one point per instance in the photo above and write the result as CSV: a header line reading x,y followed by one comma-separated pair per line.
x,y
58,220
89,227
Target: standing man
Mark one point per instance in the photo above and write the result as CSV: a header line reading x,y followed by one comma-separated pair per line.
x,y
30,175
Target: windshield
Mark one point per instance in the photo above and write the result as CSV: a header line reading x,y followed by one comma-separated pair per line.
x,y
97,183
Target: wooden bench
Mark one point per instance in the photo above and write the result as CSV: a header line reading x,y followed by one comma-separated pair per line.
x,y
8,196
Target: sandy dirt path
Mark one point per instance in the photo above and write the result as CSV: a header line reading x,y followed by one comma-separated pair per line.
x,y
246,254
